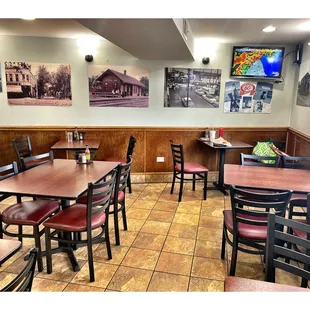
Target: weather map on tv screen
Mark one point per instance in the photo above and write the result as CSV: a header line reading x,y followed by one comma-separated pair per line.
x,y
257,62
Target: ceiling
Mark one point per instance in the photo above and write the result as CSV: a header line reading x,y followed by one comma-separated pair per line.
x,y
249,30
160,39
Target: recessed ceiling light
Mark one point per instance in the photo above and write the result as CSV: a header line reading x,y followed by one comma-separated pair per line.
x,y
269,29
304,26
308,43
30,18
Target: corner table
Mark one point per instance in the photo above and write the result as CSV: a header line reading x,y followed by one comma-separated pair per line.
x,y
222,150
8,248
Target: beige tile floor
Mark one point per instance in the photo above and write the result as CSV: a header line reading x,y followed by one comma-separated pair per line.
x,y
169,246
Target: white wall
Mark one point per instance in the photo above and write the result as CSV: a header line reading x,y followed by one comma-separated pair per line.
x,y
47,50
300,115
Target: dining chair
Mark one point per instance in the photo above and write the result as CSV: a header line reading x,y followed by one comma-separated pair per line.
x,y
247,221
23,281
81,218
255,160
36,160
278,143
117,198
180,168
129,156
22,147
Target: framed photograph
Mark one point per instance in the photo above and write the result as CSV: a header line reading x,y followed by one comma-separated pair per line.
x,y
39,84
118,86
192,88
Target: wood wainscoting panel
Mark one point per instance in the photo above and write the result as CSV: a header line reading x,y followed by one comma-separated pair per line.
x,y
152,142
298,143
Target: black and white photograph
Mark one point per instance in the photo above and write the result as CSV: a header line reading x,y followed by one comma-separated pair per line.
x,y
0,79
232,96
247,102
39,84
263,92
118,86
303,91
192,88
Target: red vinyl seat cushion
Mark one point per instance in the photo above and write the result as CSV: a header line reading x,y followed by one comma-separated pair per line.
x,y
236,284
246,230
83,198
191,167
29,212
74,219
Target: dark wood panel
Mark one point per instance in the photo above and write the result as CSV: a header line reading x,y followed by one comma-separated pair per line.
x,y
298,143
151,143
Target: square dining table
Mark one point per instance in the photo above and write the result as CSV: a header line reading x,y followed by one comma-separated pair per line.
x,y
62,179
8,248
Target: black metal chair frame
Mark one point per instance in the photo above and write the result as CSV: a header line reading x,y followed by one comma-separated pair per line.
x,y
257,160
264,203
24,161
120,206
22,147
101,204
131,146
178,158
23,282
276,249
293,162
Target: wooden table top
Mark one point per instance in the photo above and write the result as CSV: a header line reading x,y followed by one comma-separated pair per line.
x,y
76,145
234,145
60,178
8,248
297,180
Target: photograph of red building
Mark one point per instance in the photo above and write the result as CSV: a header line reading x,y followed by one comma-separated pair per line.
x,y
111,86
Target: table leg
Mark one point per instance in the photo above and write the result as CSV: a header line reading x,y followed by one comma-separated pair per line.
x,y
220,185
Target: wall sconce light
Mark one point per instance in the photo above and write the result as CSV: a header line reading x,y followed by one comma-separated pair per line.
x,y
89,58
205,60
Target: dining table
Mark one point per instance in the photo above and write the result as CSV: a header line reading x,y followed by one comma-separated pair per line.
x,y
75,145
62,179
258,177
8,248
220,185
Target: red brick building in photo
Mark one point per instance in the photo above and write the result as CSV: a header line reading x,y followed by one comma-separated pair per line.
x,y
114,82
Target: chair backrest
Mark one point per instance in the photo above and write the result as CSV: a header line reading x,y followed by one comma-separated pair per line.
x,y
261,204
98,198
276,248
177,154
131,146
122,175
254,160
36,160
22,147
295,162
23,282
6,172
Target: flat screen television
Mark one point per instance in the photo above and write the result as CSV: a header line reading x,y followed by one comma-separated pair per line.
x,y
257,62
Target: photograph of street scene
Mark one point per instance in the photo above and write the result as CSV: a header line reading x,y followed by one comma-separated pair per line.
x,y
192,88
38,84
115,86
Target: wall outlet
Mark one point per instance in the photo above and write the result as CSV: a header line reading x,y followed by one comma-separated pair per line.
x,y
160,159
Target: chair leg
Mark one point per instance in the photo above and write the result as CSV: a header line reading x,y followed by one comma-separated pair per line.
x,y
38,245
181,188
233,262
129,184
194,183
20,232
173,182
107,241
124,216
223,242
48,250
304,283
90,257
116,227
205,185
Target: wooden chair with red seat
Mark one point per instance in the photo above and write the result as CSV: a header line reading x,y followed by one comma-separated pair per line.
x,y
79,218
180,168
36,160
247,221
23,281
117,197
276,254
22,147
130,148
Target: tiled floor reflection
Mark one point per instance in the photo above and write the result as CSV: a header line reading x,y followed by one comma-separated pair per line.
x,y
169,246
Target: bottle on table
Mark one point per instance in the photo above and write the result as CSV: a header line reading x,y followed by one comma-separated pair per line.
x,y
221,132
76,134
87,153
